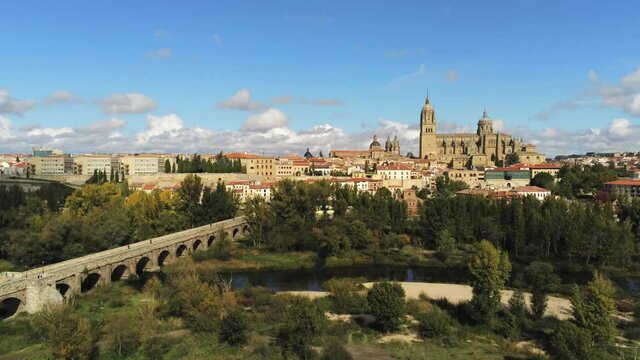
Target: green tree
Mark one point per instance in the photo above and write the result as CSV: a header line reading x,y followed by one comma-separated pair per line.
x,y
543,180
122,333
511,159
570,342
387,304
518,305
542,279
233,328
189,200
68,335
167,166
302,320
445,244
489,269
594,311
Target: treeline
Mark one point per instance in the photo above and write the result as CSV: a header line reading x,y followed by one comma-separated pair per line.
x,y
554,228
326,218
195,164
579,181
100,177
99,217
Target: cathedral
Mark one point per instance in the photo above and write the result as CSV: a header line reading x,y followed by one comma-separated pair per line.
x,y
390,151
465,150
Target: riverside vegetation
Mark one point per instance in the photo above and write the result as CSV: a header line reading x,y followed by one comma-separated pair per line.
x,y
190,311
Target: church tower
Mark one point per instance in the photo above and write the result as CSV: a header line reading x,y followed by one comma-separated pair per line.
x,y
428,143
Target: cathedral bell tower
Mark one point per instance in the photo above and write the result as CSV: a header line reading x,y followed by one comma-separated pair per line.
x,y
428,143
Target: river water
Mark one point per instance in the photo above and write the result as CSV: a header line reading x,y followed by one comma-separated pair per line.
x,y
312,279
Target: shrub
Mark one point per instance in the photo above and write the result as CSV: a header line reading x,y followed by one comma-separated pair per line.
x,y
346,296
570,342
302,320
233,328
517,305
387,303
335,351
122,333
434,323
68,335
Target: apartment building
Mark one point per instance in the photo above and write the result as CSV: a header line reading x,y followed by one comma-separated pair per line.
x,y
88,164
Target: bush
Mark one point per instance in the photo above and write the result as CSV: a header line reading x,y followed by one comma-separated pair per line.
x,y
570,342
434,323
335,351
122,333
233,328
387,303
68,335
346,296
302,320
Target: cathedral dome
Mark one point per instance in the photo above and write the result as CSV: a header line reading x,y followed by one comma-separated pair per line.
x,y
375,142
485,119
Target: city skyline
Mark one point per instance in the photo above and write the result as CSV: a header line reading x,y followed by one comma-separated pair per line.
x,y
255,77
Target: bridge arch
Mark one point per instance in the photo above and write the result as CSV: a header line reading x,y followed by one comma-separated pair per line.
x,y
119,272
196,244
9,307
142,264
89,282
212,238
245,229
181,250
63,288
163,258
235,232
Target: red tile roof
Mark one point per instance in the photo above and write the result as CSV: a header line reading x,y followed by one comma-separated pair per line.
x,y
626,182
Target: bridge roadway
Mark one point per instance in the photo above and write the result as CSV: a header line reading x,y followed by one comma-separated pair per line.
x,y
32,289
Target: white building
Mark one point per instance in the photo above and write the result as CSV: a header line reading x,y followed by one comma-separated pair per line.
x,y
394,172
537,192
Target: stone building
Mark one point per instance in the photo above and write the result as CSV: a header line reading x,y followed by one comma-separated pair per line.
x,y
461,150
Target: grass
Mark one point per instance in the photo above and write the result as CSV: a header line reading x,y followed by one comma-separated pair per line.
x,y
257,260
407,256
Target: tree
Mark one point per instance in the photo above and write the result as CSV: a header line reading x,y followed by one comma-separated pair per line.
x,y
167,166
387,303
543,180
233,328
68,335
570,342
122,333
489,269
302,320
593,310
189,200
542,279
445,244
518,305
257,216
173,168
511,159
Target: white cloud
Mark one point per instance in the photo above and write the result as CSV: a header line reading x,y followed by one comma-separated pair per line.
x,y
631,80
241,100
5,128
61,96
167,125
217,39
267,120
593,75
160,53
50,132
11,105
130,103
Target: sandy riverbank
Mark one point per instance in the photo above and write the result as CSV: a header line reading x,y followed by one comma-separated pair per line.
x,y
456,293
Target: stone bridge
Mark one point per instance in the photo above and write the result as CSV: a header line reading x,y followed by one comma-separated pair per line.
x,y
30,290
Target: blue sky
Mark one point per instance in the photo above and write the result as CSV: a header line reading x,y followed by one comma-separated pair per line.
x,y
161,76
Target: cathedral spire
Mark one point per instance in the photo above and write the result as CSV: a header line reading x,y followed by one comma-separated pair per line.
x,y
427,100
